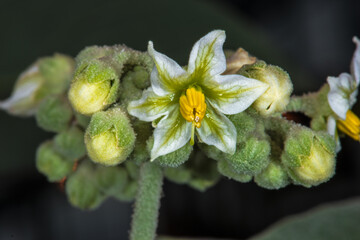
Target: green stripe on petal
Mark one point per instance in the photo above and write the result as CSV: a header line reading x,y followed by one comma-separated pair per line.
x,y
231,94
167,76
218,130
151,106
207,57
171,133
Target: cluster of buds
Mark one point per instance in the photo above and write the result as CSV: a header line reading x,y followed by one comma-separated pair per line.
x,y
221,115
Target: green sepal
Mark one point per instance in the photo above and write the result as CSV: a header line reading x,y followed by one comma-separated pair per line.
x,y
274,176
70,143
128,193
132,169
244,124
54,114
225,169
82,189
50,163
179,175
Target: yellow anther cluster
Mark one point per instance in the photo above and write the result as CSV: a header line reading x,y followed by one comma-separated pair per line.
x,y
193,106
350,126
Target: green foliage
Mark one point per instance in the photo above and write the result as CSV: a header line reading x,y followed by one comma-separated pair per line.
x,y
70,143
328,222
50,163
54,114
251,157
82,189
109,137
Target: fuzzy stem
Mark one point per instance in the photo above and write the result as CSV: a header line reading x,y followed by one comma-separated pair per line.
x,y
147,204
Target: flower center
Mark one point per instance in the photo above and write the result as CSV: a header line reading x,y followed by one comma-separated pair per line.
x,y
193,108
350,126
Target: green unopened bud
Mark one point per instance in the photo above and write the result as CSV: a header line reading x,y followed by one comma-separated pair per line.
x,y
82,189
111,180
277,96
47,76
309,157
179,175
109,137
173,159
128,193
95,86
132,169
50,163
274,176
54,114
244,124
204,173
225,169
70,143
251,157
93,52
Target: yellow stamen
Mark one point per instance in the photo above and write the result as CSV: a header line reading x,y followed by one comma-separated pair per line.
x,y
350,126
192,108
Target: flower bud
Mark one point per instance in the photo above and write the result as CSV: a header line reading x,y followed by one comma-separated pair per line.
x,y
47,76
111,180
50,163
238,59
179,175
277,96
54,114
128,193
309,157
204,173
109,137
95,86
173,159
81,188
251,157
225,169
144,130
274,176
70,143
244,124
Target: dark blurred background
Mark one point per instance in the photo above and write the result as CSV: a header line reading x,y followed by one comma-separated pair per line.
x,y
310,39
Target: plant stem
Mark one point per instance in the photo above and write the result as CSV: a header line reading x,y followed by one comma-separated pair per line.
x,y
147,203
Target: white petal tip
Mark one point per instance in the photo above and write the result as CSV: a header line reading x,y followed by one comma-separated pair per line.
x,y
356,40
151,48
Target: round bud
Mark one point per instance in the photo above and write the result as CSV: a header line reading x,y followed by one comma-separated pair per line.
x,y
225,169
54,114
70,143
274,176
50,163
309,157
109,137
111,180
95,86
81,188
277,96
251,157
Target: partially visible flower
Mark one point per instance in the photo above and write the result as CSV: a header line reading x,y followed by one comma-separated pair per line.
x,y
238,60
341,98
197,98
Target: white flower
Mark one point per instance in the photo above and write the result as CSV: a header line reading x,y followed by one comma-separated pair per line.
x,y
195,99
341,98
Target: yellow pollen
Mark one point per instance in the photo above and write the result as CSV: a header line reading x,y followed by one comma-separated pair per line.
x,y
350,126
193,108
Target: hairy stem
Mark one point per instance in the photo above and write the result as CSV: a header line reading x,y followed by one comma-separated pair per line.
x,y
147,204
